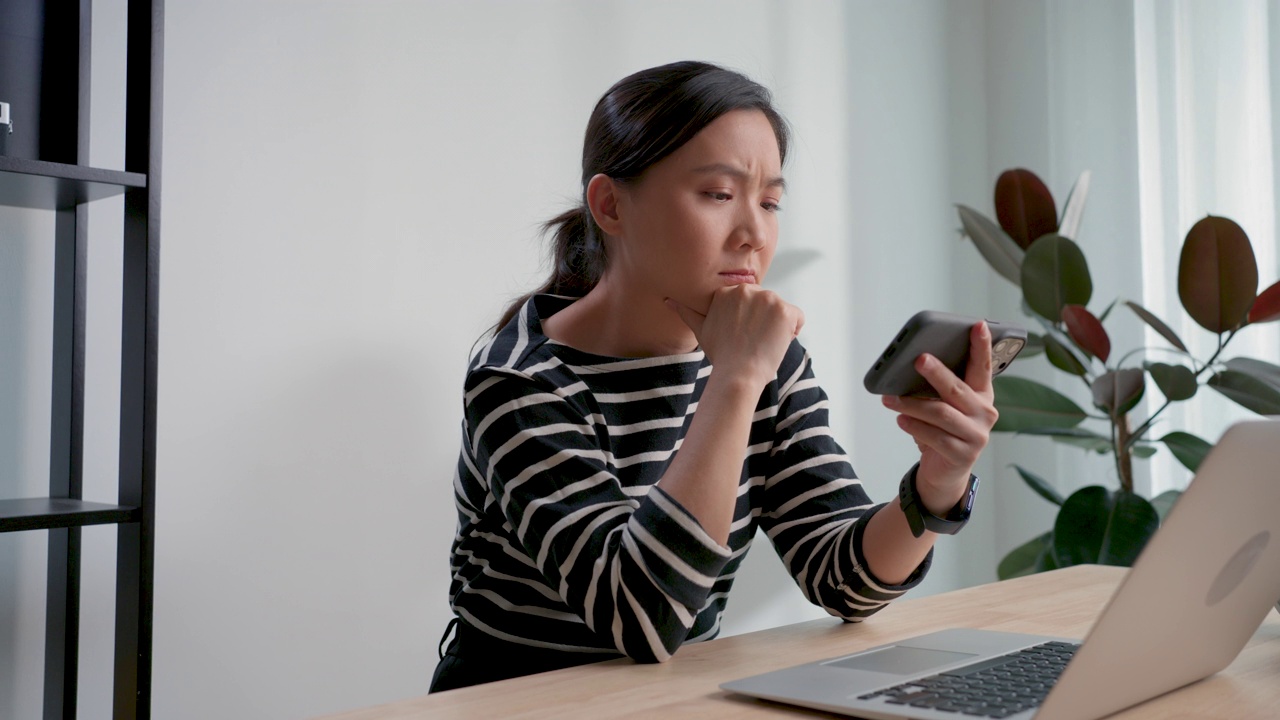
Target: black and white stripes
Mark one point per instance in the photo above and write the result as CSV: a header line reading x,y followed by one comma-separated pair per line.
x,y
564,541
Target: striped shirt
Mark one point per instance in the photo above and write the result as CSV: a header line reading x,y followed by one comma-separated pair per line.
x,y
564,541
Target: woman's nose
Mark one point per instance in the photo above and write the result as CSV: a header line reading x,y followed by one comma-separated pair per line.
x,y
752,229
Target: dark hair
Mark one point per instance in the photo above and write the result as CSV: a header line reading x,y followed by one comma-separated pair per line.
x,y
641,120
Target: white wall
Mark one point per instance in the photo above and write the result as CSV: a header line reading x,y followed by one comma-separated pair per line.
x,y
352,192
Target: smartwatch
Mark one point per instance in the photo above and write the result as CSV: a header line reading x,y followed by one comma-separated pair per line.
x,y
920,519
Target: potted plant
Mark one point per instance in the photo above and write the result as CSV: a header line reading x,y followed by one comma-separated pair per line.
x,y
1034,248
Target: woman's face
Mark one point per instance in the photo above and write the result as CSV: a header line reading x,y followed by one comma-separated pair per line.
x,y
705,216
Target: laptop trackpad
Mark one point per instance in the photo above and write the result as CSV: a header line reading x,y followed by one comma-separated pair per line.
x,y
900,660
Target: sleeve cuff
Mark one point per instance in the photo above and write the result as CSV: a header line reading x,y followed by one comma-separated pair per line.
x,y
680,557
877,585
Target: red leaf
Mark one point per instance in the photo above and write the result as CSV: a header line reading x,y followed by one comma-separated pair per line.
x,y
1267,307
1087,331
1024,206
1217,274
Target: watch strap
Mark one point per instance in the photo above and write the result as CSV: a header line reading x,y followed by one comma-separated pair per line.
x,y
920,519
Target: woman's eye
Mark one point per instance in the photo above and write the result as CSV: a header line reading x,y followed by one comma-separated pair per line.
x,y
771,206
719,196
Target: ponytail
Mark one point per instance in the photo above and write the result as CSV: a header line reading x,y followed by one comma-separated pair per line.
x,y
577,261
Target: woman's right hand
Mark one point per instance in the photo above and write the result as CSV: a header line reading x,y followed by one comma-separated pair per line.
x,y
746,331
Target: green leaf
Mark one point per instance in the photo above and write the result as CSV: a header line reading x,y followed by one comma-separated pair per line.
x,y
1073,210
1061,357
996,247
1163,502
1217,274
1143,451
1264,371
1024,206
1118,391
1087,331
1046,562
791,261
1079,437
1247,390
1106,313
1157,324
1054,273
1026,403
1034,346
1039,485
1022,559
1189,449
1097,525
1176,382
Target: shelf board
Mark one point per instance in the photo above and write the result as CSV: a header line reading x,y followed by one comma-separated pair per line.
x,y
41,185
45,513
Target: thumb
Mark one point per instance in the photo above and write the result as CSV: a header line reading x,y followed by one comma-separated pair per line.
x,y
691,317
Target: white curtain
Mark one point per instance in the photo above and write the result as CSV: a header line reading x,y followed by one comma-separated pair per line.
x,y
1206,145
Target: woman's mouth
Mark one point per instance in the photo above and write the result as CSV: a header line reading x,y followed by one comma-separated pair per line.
x,y
738,277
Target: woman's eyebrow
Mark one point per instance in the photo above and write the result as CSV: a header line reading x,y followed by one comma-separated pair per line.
x,y
739,173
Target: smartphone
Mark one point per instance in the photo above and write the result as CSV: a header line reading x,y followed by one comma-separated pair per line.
x,y
946,337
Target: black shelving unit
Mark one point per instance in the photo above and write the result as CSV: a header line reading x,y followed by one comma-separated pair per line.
x,y
53,174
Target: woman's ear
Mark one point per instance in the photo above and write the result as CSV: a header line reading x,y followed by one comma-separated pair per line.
x,y
603,198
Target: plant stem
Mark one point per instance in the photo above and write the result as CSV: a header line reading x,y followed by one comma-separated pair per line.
x,y
1124,460
1142,429
1222,344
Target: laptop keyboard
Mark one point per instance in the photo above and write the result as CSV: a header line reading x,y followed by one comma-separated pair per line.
x,y
994,688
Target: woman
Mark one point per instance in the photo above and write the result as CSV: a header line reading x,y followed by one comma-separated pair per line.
x,y
632,423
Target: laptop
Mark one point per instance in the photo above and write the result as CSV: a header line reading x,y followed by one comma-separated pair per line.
x,y
1197,593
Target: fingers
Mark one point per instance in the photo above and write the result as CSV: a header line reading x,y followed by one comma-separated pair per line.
x,y
957,427
954,450
978,372
968,429
691,317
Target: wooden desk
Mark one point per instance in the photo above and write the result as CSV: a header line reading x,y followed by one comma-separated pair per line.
x,y
1062,602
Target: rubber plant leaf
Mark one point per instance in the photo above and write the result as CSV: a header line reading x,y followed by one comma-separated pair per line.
x,y
1073,210
1061,357
1176,382
1039,485
996,247
1054,274
1024,206
1118,391
1164,502
1034,346
1079,437
1247,391
1087,331
1189,449
1263,371
1267,305
1157,324
1096,525
1022,559
1024,403
1143,451
791,261
1217,274
1107,312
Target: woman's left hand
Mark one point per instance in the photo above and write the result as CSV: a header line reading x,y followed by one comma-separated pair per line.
x,y
952,431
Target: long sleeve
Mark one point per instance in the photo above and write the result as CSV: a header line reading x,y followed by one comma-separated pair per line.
x,y
815,507
636,568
